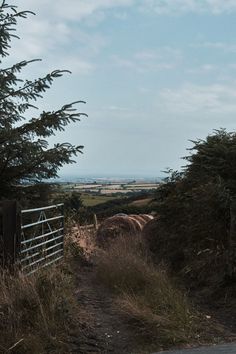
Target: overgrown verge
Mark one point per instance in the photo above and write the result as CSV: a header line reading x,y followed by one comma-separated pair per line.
x,y
196,230
39,313
158,311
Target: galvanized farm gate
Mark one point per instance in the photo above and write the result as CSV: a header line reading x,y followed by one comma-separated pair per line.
x,y
32,238
42,237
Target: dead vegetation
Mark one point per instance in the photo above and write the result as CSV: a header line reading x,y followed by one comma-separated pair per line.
x,y
39,313
159,313
57,310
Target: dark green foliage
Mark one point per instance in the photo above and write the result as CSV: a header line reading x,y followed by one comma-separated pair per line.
x,y
192,234
73,201
116,206
34,195
215,159
25,155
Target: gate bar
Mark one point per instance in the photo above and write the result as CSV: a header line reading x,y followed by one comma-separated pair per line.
x,y
40,209
41,244
38,253
41,236
41,222
45,265
42,259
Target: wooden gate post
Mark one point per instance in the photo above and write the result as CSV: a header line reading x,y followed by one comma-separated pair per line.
x,y
95,222
10,232
232,240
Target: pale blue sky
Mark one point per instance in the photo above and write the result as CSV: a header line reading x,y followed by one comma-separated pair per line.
x,y
154,73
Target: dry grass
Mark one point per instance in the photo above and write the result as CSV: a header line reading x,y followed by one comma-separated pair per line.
x,y
39,313
159,313
123,265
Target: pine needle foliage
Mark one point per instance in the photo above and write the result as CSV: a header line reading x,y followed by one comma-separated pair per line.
x,y
25,154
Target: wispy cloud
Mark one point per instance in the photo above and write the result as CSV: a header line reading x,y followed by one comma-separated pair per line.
x,y
223,46
75,9
76,65
58,43
166,7
37,41
84,10
203,69
165,58
208,99
117,109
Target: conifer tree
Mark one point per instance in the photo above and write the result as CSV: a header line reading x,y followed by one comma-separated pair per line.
x,y
25,154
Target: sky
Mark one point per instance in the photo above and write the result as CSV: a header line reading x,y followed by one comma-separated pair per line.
x,y
154,74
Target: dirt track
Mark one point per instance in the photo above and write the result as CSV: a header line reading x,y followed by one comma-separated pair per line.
x,y
221,349
108,330
111,332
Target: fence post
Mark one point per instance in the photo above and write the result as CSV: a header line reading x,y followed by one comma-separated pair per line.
x,y
231,261
10,232
95,222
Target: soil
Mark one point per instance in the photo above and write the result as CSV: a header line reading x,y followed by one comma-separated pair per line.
x,y
105,329
111,332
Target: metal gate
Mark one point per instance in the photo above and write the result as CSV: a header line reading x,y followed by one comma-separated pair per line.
x,y
42,237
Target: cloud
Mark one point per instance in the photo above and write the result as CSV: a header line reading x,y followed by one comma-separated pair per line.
x,y
57,43
167,7
85,10
165,58
222,46
43,36
189,99
74,9
203,69
76,65
118,109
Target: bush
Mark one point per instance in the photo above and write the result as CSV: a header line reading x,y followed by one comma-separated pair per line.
x,y
193,232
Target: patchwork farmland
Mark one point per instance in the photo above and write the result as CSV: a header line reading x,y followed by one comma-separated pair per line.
x,y
111,188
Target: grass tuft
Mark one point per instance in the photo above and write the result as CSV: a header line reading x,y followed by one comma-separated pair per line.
x,y
159,313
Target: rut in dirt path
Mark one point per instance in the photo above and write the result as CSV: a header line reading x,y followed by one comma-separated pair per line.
x,y
111,332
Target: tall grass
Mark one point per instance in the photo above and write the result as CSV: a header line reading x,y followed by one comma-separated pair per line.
x,y
36,312
39,313
159,313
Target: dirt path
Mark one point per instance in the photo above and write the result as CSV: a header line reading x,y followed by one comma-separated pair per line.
x,y
111,332
218,349
106,330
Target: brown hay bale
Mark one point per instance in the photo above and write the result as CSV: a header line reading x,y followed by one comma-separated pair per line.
x,y
139,222
118,225
142,218
113,227
147,217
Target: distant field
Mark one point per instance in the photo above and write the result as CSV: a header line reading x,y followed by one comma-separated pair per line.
x,y
91,200
141,202
108,189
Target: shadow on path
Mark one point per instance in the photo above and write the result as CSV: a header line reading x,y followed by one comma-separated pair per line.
x,y
217,349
